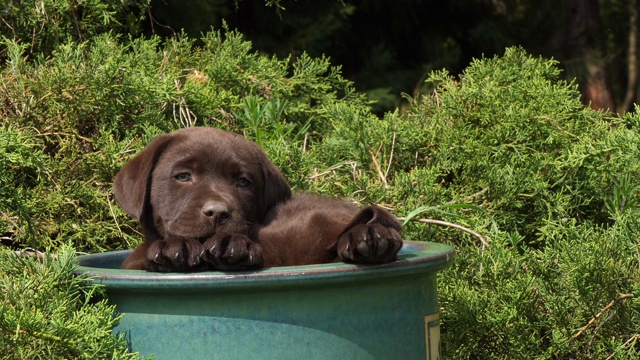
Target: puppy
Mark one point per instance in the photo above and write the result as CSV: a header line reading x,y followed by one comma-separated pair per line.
x,y
207,199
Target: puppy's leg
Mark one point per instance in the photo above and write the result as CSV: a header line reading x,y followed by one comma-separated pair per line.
x,y
232,252
138,258
371,237
312,229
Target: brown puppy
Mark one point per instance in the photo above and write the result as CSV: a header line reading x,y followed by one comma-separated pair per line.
x,y
209,199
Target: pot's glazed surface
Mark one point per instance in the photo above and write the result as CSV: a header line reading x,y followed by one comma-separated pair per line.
x,y
328,311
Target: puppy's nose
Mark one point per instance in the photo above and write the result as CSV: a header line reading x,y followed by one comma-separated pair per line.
x,y
216,212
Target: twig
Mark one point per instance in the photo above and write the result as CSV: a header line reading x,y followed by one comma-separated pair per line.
x,y
64,134
598,315
29,252
8,25
435,95
375,163
554,122
153,21
393,145
115,220
74,12
125,149
626,343
485,244
185,116
32,253
600,325
331,169
637,255
134,230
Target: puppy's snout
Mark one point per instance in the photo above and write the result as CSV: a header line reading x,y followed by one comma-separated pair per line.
x,y
216,212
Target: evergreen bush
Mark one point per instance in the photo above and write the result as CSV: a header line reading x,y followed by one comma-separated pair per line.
x,y
43,25
559,279
48,312
92,104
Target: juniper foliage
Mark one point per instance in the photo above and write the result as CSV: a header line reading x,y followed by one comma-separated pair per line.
x,y
48,312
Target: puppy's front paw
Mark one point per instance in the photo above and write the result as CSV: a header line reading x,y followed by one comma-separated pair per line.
x,y
369,243
232,252
175,255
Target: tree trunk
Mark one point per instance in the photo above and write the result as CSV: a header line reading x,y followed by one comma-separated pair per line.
x,y
584,40
632,57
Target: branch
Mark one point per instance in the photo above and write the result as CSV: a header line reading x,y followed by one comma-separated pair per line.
x,y
598,315
380,174
485,244
626,343
29,252
115,219
556,124
353,164
393,145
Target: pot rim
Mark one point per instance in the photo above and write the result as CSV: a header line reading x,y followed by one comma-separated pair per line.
x,y
415,257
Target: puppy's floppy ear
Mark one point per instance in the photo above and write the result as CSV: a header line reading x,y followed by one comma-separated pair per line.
x,y
276,187
132,183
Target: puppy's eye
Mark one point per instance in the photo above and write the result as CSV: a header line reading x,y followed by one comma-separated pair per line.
x,y
243,182
183,177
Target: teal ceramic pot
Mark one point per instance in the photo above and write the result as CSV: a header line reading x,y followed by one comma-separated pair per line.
x,y
329,311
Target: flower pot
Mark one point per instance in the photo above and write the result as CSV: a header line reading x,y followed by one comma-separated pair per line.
x,y
328,311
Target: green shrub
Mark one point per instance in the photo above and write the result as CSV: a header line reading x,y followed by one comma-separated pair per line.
x,y
560,182
22,161
47,312
43,25
510,126
92,105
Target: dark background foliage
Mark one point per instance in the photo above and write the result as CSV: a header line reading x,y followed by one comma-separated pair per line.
x,y
389,47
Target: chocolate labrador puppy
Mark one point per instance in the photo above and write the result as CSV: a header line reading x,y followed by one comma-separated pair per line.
x,y
208,199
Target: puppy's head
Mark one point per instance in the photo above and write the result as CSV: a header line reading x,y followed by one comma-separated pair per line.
x,y
198,181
